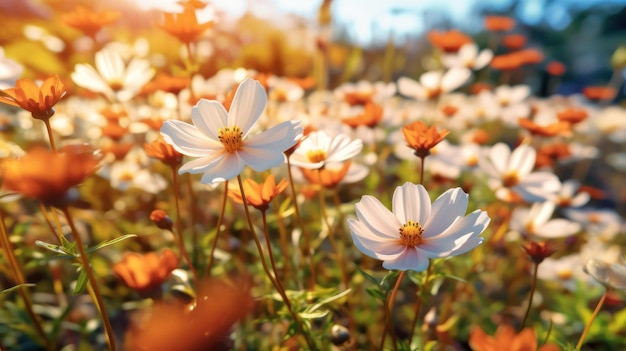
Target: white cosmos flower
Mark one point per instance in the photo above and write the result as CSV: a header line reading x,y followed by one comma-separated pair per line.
x,y
536,221
511,172
416,230
112,77
468,57
433,84
220,140
319,148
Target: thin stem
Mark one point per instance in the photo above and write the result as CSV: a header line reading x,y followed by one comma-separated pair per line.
x,y
50,135
269,249
420,302
284,243
220,218
389,312
57,234
192,228
282,293
305,233
18,277
593,316
423,159
532,293
337,248
92,281
178,233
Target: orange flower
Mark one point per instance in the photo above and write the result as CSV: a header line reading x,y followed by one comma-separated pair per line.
x,y
530,56
146,272
547,154
499,23
259,195
184,26
506,62
480,137
477,87
206,326
552,129
572,115
330,177
506,339
117,150
599,93
555,68
114,131
165,82
47,175
450,41
421,138
37,100
87,21
354,98
164,152
514,41
370,117
538,251
449,110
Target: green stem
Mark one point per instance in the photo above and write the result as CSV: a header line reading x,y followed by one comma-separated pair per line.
x,y
294,315
389,307
593,316
92,281
18,277
532,293
178,234
305,233
420,301
269,249
220,218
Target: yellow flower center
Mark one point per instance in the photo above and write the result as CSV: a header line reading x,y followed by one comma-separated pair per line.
x,y
411,233
231,138
510,179
564,274
316,155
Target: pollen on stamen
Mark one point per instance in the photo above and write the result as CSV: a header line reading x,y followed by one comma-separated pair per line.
x,y
316,155
510,179
411,233
231,138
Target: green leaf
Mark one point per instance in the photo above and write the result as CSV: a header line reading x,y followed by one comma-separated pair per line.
x,y
6,291
366,275
110,242
391,276
63,251
376,293
81,282
328,300
313,315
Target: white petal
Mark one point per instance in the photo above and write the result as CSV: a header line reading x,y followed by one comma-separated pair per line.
x,y
468,51
138,73
431,80
202,164
454,78
467,228
86,77
522,160
247,106
410,87
377,218
343,148
261,159
228,168
557,228
209,116
410,259
278,138
540,213
447,208
483,59
109,64
411,202
518,93
372,245
498,156
188,140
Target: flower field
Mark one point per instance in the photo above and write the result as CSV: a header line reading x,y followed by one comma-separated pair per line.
x,y
172,181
